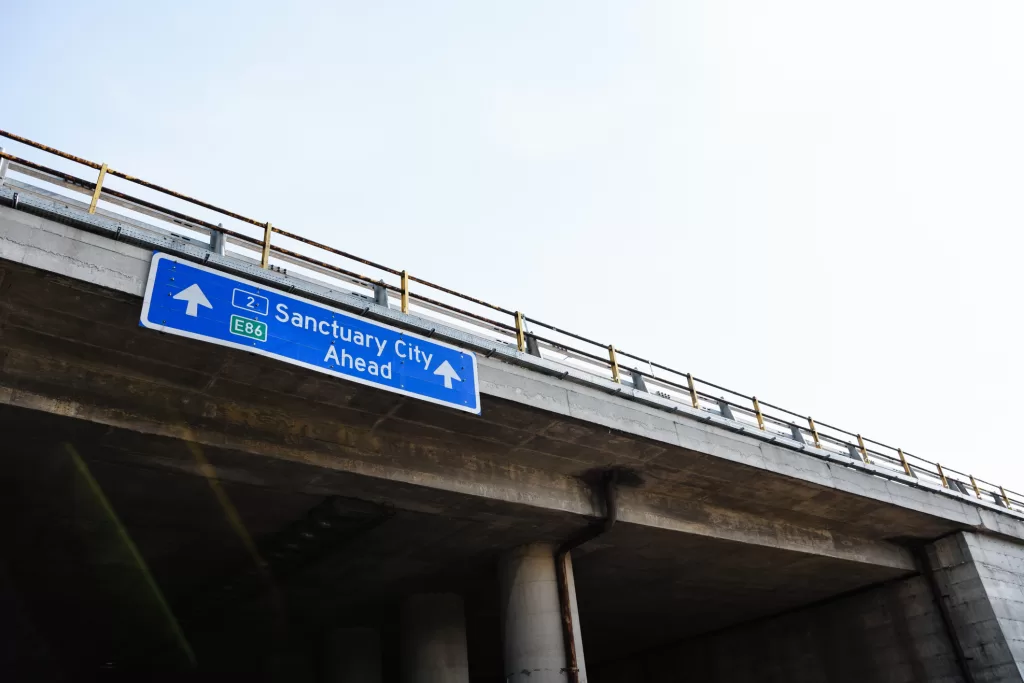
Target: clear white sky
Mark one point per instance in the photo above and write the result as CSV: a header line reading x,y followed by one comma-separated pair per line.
x,y
817,202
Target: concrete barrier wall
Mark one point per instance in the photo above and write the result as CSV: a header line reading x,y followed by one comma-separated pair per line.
x,y
891,633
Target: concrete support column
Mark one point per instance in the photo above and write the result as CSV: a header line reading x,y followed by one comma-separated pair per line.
x,y
434,639
532,617
352,655
293,662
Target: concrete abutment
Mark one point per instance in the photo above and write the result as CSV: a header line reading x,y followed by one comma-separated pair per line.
x,y
965,626
981,581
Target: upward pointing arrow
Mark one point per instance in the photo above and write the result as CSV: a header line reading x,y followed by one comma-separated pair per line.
x,y
448,372
195,298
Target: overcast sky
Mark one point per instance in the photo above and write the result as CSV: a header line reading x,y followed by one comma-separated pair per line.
x,y
816,202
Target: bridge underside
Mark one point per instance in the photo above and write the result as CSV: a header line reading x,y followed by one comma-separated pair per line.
x,y
148,481
83,503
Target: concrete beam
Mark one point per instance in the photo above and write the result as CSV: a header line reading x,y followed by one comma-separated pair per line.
x,y
833,472
465,476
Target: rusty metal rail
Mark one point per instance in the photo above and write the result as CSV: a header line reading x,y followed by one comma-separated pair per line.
x,y
679,390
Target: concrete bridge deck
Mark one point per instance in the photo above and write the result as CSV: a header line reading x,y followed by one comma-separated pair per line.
x,y
205,453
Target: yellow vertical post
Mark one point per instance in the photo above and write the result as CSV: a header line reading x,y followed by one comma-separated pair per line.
x,y
814,432
942,476
265,258
520,333
863,450
906,466
1005,499
99,187
693,391
757,413
614,362
977,492
405,291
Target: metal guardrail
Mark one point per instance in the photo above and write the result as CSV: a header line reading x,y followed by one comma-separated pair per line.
x,y
524,333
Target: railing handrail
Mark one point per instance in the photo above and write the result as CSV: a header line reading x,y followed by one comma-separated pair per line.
x,y
692,390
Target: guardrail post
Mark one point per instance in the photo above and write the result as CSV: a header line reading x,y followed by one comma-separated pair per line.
x,y
405,291
942,475
906,465
614,363
380,294
863,450
725,409
99,187
265,258
532,347
757,413
218,241
4,163
638,381
814,432
975,485
798,435
520,334
693,391
1005,499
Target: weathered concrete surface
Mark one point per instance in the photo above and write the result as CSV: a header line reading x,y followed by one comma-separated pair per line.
x,y
77,254
891,633
982,583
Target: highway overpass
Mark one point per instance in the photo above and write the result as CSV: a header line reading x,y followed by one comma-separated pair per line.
x,y
176,506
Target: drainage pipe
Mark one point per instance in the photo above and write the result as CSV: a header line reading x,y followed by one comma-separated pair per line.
x,y
588,533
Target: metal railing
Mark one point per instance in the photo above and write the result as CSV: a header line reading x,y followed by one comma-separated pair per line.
x,y
528,335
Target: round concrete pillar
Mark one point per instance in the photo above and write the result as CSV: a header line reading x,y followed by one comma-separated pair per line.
x,y
352,655
532,617
293,661
434,639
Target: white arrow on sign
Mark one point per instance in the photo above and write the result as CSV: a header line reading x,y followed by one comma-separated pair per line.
x,y
195,298
449,374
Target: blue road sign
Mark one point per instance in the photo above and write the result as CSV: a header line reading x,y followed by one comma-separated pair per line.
x,y
201,303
